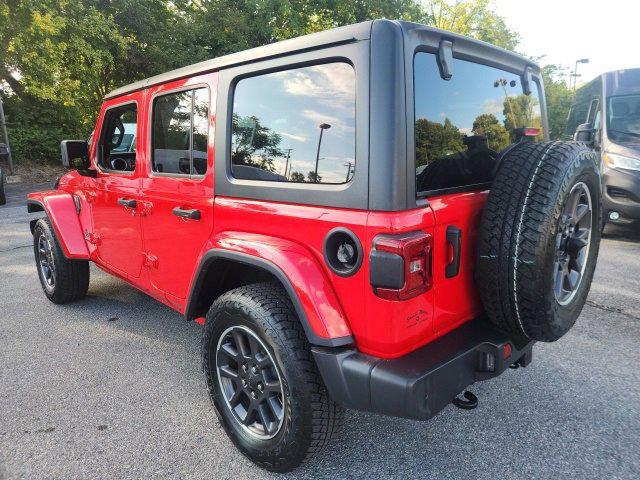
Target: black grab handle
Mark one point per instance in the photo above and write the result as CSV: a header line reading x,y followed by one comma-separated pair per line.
x,y
454,238
191,214
127,202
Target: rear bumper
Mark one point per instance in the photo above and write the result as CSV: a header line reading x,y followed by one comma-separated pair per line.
x,y
621,193
423,382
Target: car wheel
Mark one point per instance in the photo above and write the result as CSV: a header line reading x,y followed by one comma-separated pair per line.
x,y
62,280
262,380
539,239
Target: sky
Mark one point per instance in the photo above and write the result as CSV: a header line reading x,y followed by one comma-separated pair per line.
x,y
606,32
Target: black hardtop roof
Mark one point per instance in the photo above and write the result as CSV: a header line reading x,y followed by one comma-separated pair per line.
x,y
313,41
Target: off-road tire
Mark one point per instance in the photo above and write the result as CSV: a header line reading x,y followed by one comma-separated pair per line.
x,y
518,234
311,418
71,277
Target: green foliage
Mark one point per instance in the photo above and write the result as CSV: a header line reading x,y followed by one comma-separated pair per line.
x,y
473,18
296,177
559,98
313,177
254,144
521,111
60,57
435,140
488,125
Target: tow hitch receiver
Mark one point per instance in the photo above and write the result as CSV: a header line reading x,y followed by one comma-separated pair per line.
x,y
469,402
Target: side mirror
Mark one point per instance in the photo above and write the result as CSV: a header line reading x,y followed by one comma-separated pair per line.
x,y
75,154
584,133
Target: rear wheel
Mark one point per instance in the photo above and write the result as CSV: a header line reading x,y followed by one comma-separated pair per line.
x,y
63,280
539,239
263,383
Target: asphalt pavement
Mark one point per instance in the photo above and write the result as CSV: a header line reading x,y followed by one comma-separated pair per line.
x,y
111,387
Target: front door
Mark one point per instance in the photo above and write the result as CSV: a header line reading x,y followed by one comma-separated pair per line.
x,y
178,185
117,230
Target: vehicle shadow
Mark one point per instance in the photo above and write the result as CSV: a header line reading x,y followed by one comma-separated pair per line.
x,y
624,233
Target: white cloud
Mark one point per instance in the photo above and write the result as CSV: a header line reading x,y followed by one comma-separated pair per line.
x,y
492,105
291,136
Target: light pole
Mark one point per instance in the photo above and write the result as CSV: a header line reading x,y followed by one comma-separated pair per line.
x,y
6,137
323,127
287,158
502,82
575,71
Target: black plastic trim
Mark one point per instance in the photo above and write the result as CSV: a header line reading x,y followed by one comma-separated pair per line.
x,y
354,238
454,238
34,206
214,254
423,382
354,194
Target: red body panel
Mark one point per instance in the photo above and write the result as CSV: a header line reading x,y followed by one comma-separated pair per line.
x,y
303,270
456,298
61,210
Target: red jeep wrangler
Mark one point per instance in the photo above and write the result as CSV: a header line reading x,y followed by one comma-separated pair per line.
x,y
368,217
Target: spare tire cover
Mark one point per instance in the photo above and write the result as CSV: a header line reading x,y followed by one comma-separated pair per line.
x,y
539,238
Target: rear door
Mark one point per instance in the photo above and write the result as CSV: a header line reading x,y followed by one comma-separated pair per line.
x,y
461,125
178,182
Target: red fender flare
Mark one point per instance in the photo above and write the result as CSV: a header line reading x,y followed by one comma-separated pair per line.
x,y
296,268
61,210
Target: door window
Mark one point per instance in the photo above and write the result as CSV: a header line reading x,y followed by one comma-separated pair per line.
x,y
117,148
180,133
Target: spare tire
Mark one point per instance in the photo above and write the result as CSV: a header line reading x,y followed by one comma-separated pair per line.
x,y
539,239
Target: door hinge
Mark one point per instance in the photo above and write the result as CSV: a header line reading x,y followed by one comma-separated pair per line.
x,y
90,196
145,207
150,261
93,238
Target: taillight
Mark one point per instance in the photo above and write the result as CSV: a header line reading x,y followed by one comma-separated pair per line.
x,y
400,265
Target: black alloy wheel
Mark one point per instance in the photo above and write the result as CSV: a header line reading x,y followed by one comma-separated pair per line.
x,y
250,382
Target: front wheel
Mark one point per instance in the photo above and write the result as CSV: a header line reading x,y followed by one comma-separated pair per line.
x,y
63,280
262,380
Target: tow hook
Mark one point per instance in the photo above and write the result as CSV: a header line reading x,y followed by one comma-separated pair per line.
x,y
469,402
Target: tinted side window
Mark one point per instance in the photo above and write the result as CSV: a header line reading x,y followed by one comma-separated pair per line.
x,y
180,132
461,124
117,147
296,125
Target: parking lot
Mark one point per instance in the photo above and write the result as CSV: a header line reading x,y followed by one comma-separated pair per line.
x,y
111,387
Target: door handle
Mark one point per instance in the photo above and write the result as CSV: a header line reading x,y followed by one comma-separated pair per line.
x,y
191,214
454,238
127,202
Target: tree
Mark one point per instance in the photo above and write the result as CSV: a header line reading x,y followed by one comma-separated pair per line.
x,y
488,125
559,98
254,144
313,177
296,177
474,18
60,57
523,110
435,140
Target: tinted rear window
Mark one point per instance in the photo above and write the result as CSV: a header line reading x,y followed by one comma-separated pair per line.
x,y
462,124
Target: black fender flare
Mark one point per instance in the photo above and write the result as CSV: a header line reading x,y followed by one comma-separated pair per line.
x,y
219,254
